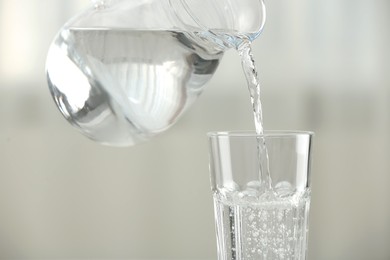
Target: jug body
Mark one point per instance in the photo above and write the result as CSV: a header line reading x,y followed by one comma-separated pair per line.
x,y
123,71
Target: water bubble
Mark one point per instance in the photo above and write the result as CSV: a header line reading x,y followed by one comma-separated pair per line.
x,y
284,189
100,4
229,189
263,216
251,217
249,195
231,186
280,215
254,185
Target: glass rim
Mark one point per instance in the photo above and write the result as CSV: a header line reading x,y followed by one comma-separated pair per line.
x,y
267,133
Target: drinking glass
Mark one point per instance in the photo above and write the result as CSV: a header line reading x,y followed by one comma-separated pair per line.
x,y
261,192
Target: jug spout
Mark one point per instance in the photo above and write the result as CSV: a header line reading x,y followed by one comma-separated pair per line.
x,y
225,22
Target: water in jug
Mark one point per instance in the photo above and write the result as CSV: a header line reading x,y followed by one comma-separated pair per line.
x,y
123,71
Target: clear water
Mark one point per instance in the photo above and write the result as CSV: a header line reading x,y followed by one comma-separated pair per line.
x,y
251,74
121,86
256,229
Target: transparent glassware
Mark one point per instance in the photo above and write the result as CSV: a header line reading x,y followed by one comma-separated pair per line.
x,y
253,223
123,71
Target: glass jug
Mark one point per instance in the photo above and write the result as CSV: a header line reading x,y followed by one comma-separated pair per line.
x,y
123,71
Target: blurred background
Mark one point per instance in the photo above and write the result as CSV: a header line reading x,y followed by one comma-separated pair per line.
x,y
325,66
